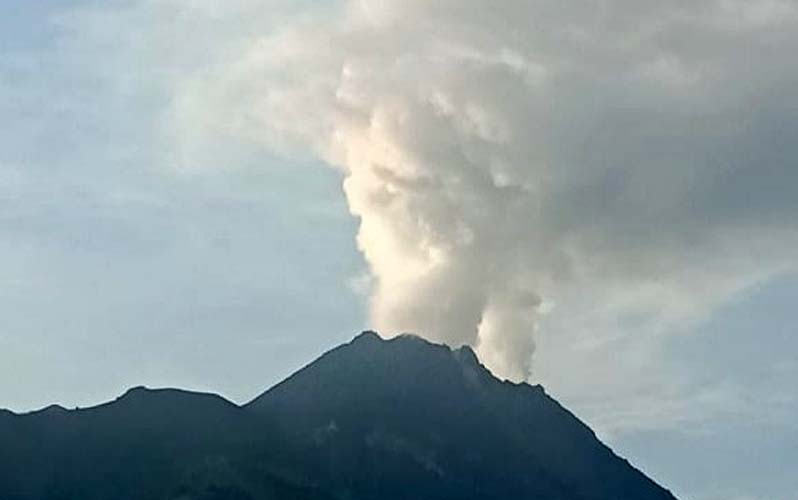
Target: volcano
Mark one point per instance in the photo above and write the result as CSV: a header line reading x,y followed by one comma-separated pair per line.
x,y
371,419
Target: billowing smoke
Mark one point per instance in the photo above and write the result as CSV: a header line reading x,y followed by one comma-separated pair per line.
x,y
621,164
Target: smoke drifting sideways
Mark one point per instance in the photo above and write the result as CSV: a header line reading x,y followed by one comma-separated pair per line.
x,y
601,161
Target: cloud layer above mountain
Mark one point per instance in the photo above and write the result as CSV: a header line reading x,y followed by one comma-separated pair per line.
x,y
593,165
608,168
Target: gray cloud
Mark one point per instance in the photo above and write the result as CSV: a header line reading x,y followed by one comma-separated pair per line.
x,y
605,161
601,170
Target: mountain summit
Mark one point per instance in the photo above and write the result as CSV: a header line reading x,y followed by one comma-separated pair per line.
x,y
371,419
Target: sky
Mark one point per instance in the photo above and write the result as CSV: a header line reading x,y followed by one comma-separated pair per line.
x,y
600,196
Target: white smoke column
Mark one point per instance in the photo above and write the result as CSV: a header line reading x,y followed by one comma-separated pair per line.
x,y
438,227
503,157
425,173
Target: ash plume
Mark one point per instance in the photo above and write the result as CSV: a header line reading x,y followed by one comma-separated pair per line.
x,y
606,161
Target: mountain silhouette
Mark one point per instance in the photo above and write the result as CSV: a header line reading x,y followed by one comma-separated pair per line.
x,y
371,419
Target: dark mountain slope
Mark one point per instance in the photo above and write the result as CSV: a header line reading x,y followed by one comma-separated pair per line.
x,y
147,444
372,419
404,418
